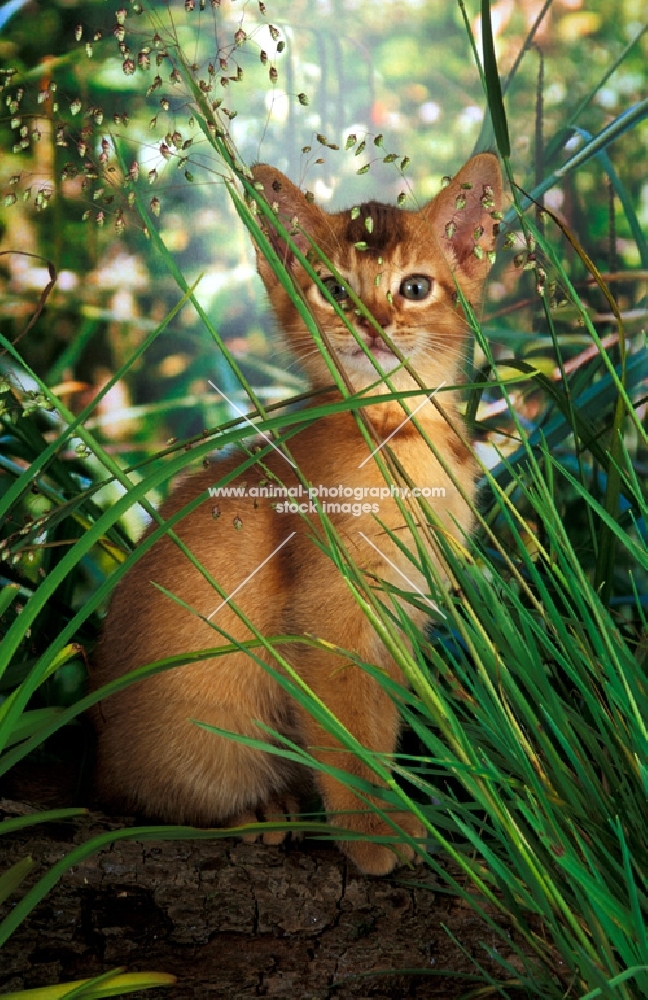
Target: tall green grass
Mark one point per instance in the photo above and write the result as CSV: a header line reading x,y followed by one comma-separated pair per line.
x,y
528,700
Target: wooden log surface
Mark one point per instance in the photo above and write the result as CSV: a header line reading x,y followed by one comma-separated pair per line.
x,y
234,920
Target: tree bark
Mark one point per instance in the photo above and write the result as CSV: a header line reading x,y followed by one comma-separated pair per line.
x,y
237,920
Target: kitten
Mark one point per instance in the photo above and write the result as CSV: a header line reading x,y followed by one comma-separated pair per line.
x,y
151,758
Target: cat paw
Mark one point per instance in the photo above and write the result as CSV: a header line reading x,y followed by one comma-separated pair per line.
x,y
378,859
275,810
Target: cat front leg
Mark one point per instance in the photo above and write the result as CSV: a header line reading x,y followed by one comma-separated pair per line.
x,y
360,703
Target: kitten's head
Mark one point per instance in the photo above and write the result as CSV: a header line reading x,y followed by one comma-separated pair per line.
x,y
403,265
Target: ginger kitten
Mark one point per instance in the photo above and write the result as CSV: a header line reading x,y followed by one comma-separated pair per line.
x,y
405,267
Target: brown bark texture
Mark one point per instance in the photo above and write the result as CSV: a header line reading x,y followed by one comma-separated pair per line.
x,y
237,920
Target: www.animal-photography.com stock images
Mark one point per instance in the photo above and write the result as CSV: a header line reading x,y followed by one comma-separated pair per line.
x,y
323,464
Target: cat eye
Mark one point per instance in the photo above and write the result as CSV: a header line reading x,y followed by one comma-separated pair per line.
x,y
335,288
416,287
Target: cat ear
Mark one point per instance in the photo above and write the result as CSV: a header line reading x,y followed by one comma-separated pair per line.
x,y
298,215
462,216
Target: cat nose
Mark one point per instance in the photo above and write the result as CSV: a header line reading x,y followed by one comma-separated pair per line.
x,y
381,316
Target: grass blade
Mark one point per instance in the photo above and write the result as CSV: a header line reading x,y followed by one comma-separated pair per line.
x,y
493,84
